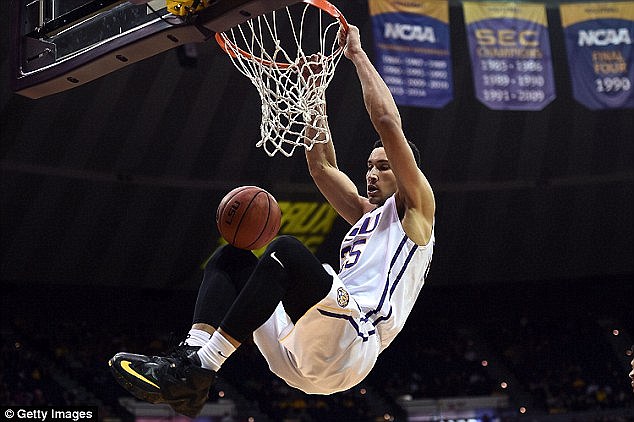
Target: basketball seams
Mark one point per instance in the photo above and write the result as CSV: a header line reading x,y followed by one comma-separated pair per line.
x,y
268,216
244,213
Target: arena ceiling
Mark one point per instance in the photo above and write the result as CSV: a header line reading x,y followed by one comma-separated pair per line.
x,y
116,182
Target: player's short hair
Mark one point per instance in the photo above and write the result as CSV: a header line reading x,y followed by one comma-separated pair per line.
x,y
379,143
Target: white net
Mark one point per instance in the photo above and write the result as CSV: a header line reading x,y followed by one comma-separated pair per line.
x,y
290,55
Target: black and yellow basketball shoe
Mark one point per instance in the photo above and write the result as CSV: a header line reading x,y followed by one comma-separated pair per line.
x,y
177,379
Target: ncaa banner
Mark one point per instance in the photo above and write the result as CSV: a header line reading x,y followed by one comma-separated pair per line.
x,y
600,57
412,45
510,55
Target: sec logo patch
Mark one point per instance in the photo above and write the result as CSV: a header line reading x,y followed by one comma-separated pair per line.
x,y
343,298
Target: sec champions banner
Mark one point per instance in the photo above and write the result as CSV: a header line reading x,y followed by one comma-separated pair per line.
x,y
510,55
412,44
600,57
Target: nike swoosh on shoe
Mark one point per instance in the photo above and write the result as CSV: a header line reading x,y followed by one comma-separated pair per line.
x,y
126,367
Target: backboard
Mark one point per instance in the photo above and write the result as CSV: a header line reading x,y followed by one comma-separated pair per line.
x,y
57,45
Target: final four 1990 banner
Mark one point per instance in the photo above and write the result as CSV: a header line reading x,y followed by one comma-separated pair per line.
x,y
510,55
600,56
412,44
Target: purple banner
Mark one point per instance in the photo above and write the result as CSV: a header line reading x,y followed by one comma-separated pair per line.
x,y
600,57
510,55
412,45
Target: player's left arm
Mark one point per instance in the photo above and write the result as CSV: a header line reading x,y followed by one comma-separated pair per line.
x,y
414,196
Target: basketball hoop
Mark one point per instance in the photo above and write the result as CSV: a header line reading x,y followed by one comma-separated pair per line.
x,y
290,55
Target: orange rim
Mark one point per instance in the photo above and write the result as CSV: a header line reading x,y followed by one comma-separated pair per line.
x,y
324,5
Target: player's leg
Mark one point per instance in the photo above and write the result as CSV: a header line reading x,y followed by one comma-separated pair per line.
x,y
159,379
225,274
287,272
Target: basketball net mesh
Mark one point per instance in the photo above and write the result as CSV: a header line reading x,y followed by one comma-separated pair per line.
x,y
291,83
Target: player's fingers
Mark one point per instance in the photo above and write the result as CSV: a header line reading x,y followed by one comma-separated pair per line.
x,y
342,37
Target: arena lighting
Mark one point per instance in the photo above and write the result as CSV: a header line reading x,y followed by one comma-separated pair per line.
x,y
503,384
485,363
615,332
522,410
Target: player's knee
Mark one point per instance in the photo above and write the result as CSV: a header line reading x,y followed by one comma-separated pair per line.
x,y
284,243
228,257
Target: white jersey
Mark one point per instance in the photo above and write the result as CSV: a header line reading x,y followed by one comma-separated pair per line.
x,y
383,269
336,343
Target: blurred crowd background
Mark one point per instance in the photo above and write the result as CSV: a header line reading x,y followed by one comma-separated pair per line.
x,y
554,349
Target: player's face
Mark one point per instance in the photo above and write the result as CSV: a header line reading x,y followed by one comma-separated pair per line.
x,y
380,179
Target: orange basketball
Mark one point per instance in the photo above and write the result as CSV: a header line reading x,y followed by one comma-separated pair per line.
x,y
248,217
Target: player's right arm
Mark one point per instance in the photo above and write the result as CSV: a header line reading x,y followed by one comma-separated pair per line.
x,y
334,184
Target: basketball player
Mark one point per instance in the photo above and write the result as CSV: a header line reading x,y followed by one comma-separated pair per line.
x,y
319,330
